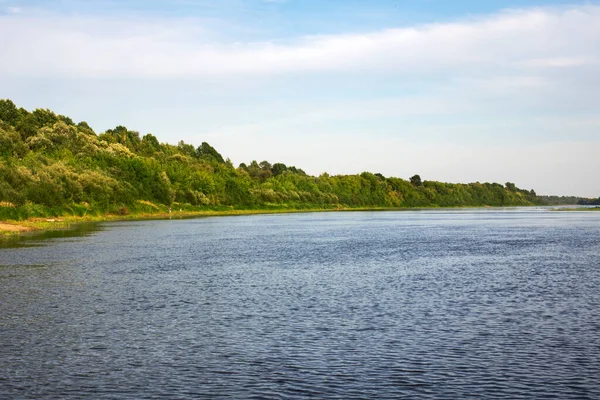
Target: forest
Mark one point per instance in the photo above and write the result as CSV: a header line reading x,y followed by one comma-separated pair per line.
x,y
52,166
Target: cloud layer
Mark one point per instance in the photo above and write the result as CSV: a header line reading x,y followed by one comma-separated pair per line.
x,y
88,46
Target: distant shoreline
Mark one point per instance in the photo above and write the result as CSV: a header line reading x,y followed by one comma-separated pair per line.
x,y
33,225
589,208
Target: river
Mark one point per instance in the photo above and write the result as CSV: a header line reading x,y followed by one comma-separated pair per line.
x,y
444,304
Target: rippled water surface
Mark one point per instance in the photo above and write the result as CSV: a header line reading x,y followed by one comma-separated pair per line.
x,y
416,304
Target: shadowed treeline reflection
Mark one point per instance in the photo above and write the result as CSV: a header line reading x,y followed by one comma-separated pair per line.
x,y
39,238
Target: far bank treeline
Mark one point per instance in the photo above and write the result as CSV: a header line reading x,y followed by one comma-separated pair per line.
x,y
50,165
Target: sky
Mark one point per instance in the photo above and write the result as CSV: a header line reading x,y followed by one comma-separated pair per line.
x,y
455,91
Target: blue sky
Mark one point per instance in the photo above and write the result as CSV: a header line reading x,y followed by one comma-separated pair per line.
x,y
456,91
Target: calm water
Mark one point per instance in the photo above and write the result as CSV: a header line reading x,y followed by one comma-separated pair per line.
x,y
423,304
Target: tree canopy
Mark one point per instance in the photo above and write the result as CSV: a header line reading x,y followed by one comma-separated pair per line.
x,y
50,164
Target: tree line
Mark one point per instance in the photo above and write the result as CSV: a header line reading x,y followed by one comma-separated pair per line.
x,y
50,165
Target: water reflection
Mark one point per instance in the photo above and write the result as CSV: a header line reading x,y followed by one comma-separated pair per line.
x,y
29,239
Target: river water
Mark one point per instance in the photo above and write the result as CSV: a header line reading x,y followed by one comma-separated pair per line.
x,y
499,303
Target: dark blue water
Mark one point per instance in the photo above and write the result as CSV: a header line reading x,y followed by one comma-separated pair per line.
x,y
423,304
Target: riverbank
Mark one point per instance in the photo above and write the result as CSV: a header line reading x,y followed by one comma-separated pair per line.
x,y
588,208
37,224
13,227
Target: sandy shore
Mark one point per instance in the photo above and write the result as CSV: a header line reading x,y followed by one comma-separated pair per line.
x,y
13,228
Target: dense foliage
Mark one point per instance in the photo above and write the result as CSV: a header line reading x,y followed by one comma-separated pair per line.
x,y
50,165
561,200
589,202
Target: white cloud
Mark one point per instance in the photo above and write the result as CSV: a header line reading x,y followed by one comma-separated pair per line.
x,y
89,46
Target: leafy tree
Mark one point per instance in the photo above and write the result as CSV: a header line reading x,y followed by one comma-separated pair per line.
x,y
85,128
149,144
27,126
9,112
122,135
186,149
278,169
415,180
44,117
265,166
206,152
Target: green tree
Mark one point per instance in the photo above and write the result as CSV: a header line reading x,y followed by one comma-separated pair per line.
x,y
44,117
206,152
149,144
9,112
278,169
186,149
415,180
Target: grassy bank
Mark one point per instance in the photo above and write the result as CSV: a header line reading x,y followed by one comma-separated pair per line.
x,y
31,218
